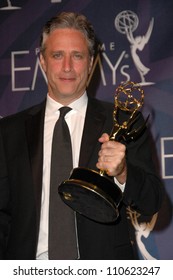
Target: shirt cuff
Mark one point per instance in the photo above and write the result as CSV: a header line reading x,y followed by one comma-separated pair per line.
x,y
121,186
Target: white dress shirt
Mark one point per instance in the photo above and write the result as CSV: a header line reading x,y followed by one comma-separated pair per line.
x,y
75,120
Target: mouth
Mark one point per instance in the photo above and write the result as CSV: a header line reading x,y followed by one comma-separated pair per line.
x,y
67,79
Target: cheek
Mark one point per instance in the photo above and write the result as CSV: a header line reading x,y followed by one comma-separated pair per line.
x,y
83,71
51,68
83,76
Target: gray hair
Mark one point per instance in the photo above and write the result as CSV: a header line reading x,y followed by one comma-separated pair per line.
x,y
70,20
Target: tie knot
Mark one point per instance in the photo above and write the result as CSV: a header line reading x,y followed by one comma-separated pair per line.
x,y
63,111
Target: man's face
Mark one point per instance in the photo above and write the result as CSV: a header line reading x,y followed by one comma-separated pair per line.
x,y
67,64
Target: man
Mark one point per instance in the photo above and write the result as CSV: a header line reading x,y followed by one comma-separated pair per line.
x,y
66,55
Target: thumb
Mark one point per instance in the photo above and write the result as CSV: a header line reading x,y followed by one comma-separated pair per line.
x,y
104,138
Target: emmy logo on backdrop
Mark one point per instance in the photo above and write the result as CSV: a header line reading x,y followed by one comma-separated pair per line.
x,y
142,229
9,6
126,23
92,193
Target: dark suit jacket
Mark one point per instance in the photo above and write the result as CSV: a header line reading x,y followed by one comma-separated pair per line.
x,y
21,159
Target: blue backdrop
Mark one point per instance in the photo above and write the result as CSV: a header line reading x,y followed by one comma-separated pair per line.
x,y
136,43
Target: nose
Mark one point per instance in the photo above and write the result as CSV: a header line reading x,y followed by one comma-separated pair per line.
x,y
67,64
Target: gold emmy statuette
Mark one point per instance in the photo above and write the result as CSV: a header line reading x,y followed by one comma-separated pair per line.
x,y
94,194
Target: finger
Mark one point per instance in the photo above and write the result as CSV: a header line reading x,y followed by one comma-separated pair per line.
x,y
104,138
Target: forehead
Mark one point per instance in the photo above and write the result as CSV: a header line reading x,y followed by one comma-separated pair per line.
x,y
66,37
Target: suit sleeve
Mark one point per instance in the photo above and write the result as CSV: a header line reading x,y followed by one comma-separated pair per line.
x,y
4,201
144,189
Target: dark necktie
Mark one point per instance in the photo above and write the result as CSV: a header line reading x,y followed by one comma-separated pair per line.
x,y
62,233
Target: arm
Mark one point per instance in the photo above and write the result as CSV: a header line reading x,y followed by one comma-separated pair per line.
x,y
144,189
132,164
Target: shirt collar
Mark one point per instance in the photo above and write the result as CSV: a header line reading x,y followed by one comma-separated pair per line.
x,y
79,105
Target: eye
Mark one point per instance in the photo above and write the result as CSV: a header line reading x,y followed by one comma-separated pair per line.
x,y
57,55
78,56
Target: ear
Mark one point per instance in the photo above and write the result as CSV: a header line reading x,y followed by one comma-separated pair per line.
x,y
42,62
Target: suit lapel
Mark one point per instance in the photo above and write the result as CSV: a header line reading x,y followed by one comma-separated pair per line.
x,y
34,131
95,119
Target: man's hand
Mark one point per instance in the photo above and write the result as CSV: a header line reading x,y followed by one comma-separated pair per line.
x,y
112,158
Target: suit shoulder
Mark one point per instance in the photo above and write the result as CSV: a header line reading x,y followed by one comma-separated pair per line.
x,y
22,115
